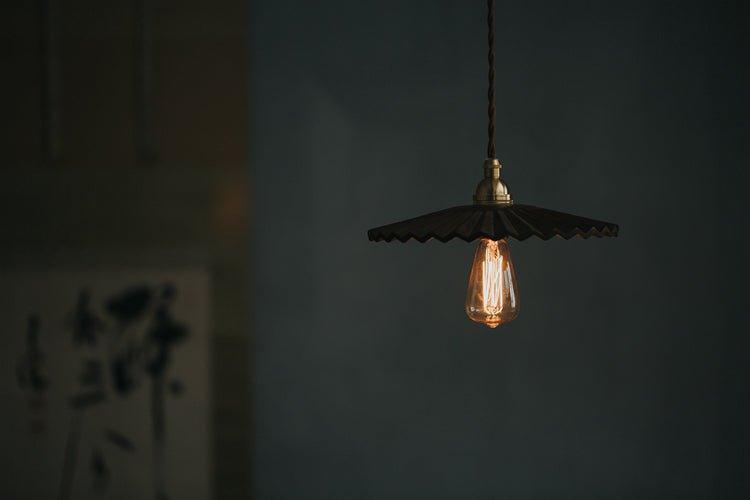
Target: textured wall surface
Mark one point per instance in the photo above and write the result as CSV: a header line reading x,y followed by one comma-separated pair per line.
x,y
623,376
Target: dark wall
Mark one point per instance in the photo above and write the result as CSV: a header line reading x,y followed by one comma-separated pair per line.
x,y
624,375
91,77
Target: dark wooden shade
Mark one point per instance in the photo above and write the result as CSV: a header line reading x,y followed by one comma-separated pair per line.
x,y
496,222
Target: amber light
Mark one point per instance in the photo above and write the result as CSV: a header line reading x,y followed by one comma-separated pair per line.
x,y
492,297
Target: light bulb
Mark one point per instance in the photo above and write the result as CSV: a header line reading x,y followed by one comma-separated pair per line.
x,y
492,297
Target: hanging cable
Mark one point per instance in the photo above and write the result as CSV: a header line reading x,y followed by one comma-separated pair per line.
x,y
491,78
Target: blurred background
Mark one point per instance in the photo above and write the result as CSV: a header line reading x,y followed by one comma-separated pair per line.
x,y
125,174
191,308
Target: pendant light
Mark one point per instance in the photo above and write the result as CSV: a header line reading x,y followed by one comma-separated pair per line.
x,y
492,295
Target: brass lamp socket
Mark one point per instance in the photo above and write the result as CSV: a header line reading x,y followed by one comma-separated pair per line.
x,y
492,190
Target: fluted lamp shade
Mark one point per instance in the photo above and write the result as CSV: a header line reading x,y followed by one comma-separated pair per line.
x,y
495,222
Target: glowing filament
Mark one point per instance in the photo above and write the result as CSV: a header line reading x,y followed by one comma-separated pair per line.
x,y
492,281
492,295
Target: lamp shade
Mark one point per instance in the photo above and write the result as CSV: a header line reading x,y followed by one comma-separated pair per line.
x,y
496,222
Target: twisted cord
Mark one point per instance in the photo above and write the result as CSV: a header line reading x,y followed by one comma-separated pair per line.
x,y
491,78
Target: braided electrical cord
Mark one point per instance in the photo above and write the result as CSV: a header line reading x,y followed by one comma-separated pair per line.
x,y
491,78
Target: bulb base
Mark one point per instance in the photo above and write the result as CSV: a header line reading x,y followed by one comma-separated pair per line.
x,y
492,190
